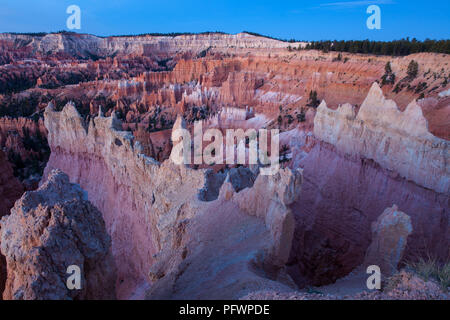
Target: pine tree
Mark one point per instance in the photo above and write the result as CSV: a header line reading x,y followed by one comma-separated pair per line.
x,y
413,69
388,68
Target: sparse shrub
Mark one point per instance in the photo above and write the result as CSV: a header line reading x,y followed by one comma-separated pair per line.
x,y
431,269
389,76
301,117
420,87
397,88
387,68
289,118
338,58
283,153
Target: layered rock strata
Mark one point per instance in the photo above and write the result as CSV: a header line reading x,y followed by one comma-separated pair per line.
x,y
87,45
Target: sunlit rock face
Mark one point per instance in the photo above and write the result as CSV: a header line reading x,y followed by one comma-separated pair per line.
x,y
86,44
48,231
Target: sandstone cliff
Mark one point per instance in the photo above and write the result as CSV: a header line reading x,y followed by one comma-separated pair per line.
x,y
86,45
342,195
49,230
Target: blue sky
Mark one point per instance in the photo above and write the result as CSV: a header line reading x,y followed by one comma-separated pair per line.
x,y
302,20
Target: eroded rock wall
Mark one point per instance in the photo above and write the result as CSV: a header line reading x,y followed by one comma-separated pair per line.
x,y
361,164
157,222
10,188
398,141
131,190
87,45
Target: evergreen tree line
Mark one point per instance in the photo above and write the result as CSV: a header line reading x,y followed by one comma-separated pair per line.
x,y
393,48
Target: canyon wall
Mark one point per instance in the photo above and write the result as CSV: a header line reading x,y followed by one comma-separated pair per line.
x,y
398,141
361,164
157,222
86,44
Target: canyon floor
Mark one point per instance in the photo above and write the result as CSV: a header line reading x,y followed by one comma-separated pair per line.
x,y
90,178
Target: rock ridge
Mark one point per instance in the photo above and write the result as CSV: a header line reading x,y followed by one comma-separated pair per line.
x,y
398,141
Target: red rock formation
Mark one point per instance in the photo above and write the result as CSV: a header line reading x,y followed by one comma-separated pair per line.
x,y
398,141
49,230
24,141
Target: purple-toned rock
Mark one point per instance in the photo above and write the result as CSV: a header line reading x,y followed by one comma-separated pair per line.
x,y
49,230
389,237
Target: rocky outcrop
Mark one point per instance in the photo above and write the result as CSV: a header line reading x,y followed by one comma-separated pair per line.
x,y
398,141
232,245
137,196
49,230
157,221
367,162
389,238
